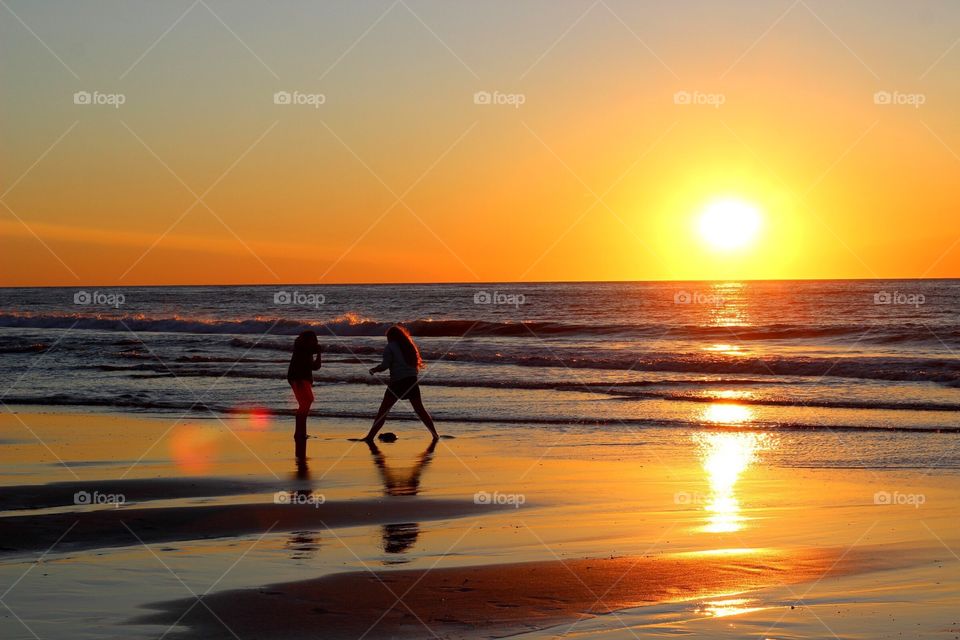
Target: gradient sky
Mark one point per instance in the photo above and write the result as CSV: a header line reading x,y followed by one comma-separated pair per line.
x,y
399,176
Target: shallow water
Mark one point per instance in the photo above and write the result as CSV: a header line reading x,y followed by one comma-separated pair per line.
x,y
802,355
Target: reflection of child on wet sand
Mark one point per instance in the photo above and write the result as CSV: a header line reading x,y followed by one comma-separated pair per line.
x,y
400,537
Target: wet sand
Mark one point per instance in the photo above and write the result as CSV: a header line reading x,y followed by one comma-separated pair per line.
x,y
496,532
111,527
62,494
492,600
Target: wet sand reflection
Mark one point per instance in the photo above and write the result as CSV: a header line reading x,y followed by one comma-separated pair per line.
x,y
398,538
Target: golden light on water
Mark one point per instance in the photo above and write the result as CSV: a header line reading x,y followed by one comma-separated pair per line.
x,y
734,394
725,457
729,607
728,414
731,306
726,349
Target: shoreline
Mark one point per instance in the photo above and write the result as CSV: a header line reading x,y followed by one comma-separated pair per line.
x,y
220,413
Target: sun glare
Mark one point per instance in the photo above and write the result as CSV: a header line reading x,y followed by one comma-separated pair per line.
x,y
726,225
725,457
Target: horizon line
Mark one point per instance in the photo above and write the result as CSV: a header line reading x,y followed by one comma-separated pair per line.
x,y
473,283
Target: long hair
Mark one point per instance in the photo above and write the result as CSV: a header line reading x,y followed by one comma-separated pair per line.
x,y
306,342
399,334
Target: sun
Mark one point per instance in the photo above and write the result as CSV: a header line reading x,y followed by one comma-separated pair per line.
x,y
726,225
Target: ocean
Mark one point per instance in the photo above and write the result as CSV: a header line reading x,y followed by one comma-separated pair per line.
x,y
827,357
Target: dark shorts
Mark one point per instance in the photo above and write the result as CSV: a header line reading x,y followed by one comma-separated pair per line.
x,y
406,389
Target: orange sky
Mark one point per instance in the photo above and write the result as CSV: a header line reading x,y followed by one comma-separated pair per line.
x,y
400,176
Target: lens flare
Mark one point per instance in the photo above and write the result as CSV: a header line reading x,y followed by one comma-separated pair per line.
x,y
194,448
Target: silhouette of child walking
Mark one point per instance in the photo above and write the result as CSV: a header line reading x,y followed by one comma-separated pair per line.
x,y
402,357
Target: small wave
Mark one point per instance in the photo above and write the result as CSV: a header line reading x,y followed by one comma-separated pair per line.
x,y
142,323
286,347
530,353
945,372
897,369
133,354
354,324
183,368
141,404
868,367
620,390
777,402
37,347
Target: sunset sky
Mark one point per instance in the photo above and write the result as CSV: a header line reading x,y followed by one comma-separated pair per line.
x,y
591,167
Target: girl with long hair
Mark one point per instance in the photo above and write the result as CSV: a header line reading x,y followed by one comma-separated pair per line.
x,y
402,357
304,361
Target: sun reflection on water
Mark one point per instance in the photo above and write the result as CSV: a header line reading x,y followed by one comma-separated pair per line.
x,y
726,349
725,457
727,413
734,394
731,310
729,607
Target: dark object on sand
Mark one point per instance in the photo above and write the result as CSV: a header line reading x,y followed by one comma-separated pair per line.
x,y
389,436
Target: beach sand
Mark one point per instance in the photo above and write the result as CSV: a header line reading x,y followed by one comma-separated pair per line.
x,y
495,600
499,531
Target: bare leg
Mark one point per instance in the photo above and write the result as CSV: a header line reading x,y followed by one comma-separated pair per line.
x,y
388,401
424,415
304,392
300,441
